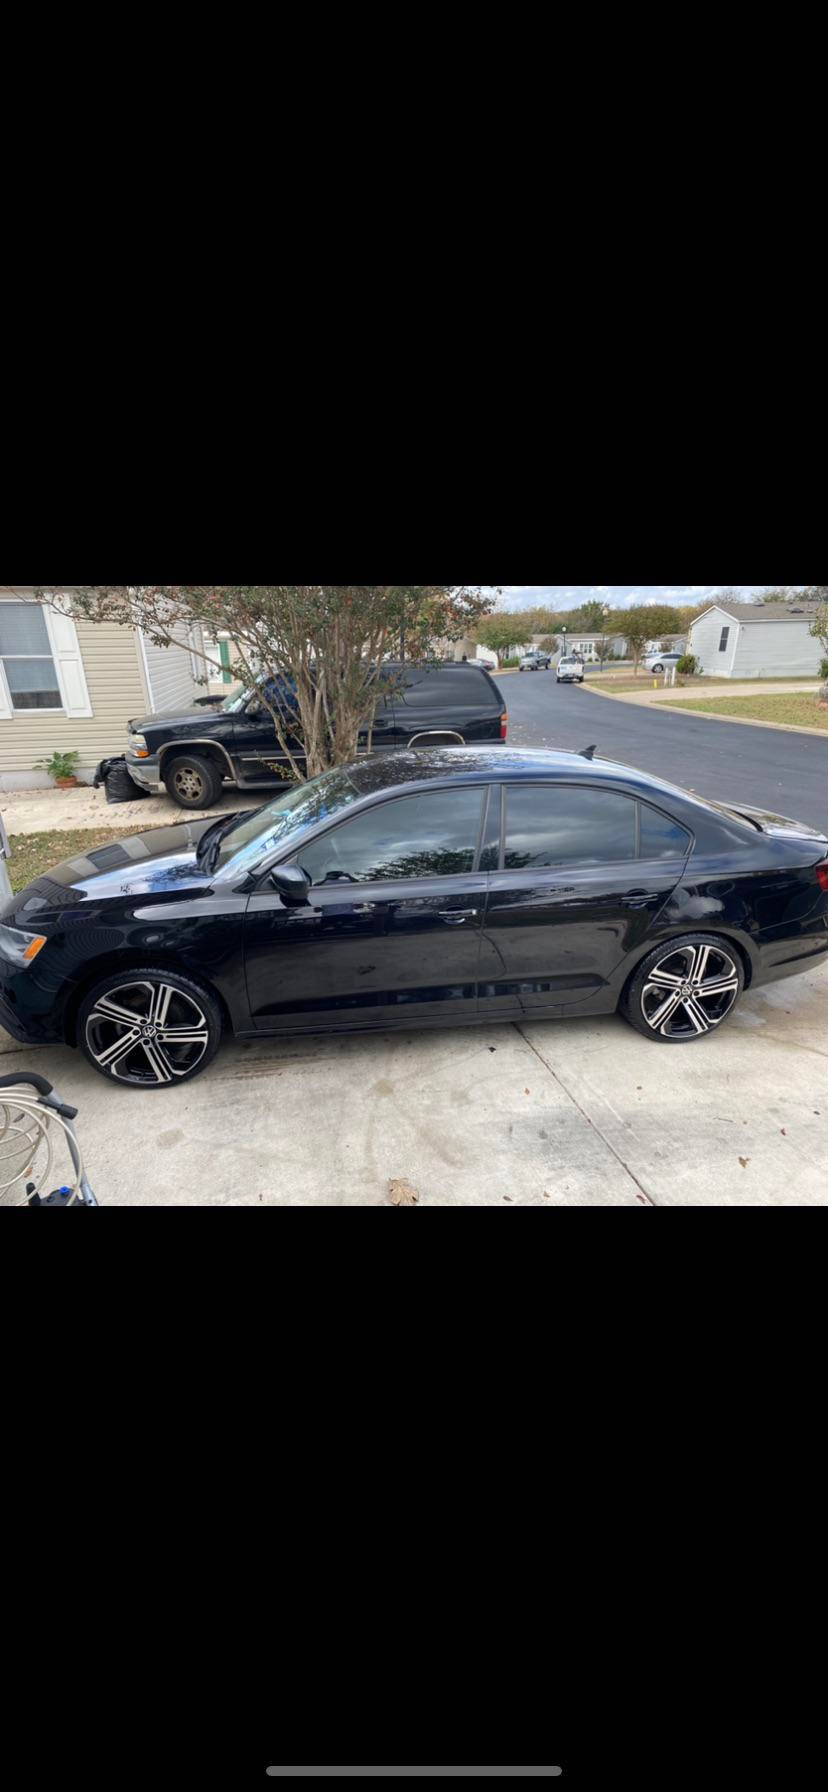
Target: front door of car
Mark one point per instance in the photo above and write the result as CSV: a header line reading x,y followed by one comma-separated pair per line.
x,y
585,872
392,925
257,750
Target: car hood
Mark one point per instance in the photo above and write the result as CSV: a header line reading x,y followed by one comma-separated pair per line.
x,y
175,718
161,862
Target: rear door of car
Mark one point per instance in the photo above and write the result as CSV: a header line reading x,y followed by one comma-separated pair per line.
x,y
454,698
583,872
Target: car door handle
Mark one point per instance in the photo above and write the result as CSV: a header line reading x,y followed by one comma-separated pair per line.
x,y
454,917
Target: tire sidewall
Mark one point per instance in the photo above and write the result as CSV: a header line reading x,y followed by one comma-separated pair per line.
x,y
205,769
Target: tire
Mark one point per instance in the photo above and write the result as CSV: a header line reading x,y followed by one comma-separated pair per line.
x,y
191,781
658,668
148,1006
691,962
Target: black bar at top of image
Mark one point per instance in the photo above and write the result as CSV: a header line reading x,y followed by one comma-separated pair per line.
x,y
416,1772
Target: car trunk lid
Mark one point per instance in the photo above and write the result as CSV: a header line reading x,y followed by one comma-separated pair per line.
x,y
779,826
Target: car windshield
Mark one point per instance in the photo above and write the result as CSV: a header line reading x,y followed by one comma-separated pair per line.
x,y
283,822
232,704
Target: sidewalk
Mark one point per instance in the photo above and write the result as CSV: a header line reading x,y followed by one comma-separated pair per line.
x,y
690,699
671,694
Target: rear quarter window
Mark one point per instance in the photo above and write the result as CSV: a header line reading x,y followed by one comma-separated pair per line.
x,y
455,686
661,836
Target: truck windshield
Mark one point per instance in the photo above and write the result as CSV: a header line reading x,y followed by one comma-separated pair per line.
x,y
283,822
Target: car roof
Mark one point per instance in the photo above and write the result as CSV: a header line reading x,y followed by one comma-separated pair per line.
x,y
472,765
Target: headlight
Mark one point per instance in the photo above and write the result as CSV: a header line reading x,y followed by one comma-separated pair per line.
x,y
20,947
139,746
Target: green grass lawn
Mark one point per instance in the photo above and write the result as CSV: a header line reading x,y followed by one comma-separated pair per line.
x,y
33,854
627,681
799,709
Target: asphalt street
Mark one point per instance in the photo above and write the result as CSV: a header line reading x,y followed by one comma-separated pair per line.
x,y
765,767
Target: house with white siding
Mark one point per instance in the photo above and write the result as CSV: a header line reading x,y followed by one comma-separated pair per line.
x,y
756,641
575,641
68,685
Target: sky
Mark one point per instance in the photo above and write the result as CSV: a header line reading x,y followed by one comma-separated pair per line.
x,y
619,597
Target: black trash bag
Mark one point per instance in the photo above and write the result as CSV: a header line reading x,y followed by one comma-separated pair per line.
x,y
120,787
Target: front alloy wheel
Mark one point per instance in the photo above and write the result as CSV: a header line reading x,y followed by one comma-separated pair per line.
x,y
150,1029
687,989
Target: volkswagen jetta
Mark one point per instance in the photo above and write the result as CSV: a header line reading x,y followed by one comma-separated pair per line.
x,y
416,888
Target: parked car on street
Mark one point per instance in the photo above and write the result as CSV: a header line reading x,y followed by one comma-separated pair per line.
x,y
193,755
535,661
661,662
478,884
571,671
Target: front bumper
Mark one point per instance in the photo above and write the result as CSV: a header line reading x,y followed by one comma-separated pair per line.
x,y
145,772
30,1028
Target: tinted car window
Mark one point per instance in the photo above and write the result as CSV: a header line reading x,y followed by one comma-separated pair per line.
x,y
432,835
560,825
301,808
429,687
661,837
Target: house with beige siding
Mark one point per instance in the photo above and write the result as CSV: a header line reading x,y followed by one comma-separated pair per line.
x,y
756,641
67,685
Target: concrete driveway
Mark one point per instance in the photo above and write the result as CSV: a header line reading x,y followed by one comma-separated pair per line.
x,y
36,811
558,1113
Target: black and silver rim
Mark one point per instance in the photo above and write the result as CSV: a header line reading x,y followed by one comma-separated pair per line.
x,y
146,1033
189,784
690,991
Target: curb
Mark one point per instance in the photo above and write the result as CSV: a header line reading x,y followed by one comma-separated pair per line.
x,y
702,715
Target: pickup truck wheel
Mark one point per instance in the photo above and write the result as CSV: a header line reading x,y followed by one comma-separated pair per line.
x,y
192,782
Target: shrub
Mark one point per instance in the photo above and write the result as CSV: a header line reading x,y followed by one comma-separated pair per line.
x,y
688,665
823,670
61,765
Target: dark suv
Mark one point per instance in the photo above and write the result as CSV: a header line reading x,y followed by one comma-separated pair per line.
x,y
443,703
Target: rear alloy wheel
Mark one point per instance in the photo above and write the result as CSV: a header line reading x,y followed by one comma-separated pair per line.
x,y
684,989
149,1028
193,782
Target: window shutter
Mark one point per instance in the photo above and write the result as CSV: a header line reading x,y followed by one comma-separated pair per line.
x,y
5,704
68,663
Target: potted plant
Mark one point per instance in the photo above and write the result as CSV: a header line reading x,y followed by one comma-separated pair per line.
x,y
61,767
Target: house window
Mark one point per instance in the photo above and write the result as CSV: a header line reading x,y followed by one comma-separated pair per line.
x,y
724,639
26,657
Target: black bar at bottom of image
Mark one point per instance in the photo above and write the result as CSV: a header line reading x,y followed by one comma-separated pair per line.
x,y
506,1773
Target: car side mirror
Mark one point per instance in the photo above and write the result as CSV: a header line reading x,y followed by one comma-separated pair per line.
x,y
291,883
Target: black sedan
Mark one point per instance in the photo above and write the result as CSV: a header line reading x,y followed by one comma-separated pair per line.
x,y
417,888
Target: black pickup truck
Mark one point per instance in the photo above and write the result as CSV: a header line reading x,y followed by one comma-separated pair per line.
x,y
443,703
